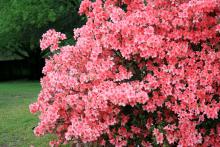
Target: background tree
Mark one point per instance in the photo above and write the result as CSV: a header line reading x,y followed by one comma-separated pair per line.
x,y
23,22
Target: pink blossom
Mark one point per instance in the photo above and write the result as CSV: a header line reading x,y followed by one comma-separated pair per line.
x,y
135,130
34,107
159,136
51,38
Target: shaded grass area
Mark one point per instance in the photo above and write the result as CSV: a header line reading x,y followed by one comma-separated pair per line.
x,y
16,122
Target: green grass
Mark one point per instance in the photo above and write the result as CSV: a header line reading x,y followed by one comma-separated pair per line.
x,y
16,122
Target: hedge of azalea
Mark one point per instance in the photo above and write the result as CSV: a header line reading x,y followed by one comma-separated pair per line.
x,y
142,73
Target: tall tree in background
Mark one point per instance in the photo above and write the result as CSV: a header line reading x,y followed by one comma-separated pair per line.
x,y
22,22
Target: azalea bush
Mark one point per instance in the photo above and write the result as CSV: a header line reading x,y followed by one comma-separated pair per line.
x,y
142,72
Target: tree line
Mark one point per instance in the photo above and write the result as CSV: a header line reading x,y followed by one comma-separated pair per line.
x,y
22,22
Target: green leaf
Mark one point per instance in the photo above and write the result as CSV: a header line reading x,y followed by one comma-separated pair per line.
x,y
52,16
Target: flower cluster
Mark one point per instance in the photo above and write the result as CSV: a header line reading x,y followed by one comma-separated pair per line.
x,y
142,72
51,39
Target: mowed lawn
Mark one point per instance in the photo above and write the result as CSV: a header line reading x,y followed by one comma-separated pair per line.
x,y
16,122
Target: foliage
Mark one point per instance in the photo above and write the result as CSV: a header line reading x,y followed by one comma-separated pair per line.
x,y
22,22
141,73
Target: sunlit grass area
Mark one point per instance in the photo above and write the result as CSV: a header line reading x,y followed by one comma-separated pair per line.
x,y
16,122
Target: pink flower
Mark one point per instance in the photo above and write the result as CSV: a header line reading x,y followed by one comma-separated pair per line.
x,y
51,39
159,136
34,107
146,144
135,130
218,28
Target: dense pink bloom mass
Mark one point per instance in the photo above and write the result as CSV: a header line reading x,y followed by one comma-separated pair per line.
x,y
142,72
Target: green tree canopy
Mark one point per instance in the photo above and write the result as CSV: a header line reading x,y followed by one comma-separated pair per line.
x,y
22,22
